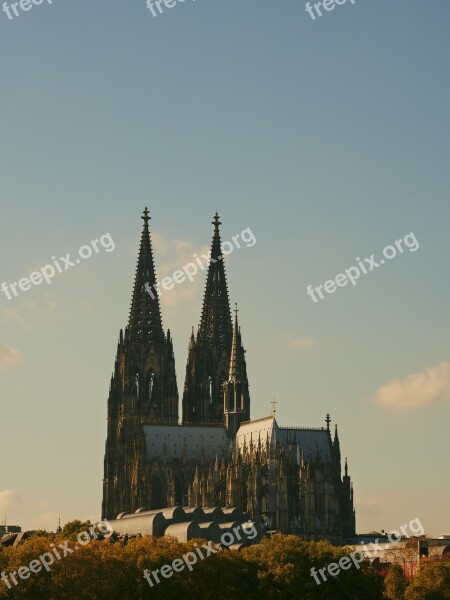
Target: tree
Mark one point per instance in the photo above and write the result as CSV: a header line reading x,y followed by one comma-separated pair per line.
x,y
395,584
279,567
73,528
431,583
284,570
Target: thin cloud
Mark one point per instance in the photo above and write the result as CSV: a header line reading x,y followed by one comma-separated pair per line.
x,y
9,500
370,507
161,243
9,357
418,389
182,253
11,315
305,343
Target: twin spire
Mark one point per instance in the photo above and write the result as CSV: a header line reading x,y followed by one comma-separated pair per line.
x,y
145,324
216,354
215,328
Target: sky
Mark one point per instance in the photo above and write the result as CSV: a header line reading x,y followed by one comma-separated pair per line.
x,y
328,138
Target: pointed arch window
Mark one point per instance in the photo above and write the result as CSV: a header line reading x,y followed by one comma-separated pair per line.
x,y
210,389
137,385
151,385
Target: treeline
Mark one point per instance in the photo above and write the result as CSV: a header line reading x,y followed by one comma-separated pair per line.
x,y
278,568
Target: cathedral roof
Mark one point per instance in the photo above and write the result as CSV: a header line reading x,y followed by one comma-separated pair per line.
x,y
309,440
262,429
173,440
267,428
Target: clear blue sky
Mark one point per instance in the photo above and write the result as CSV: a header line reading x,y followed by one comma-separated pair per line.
x,y
328,138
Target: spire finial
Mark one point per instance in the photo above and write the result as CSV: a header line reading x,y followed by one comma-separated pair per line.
x,y
328,421
146,217
216,221
274,410
58,529
236,310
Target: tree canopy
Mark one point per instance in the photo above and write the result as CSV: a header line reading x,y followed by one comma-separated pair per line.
x,y
277,568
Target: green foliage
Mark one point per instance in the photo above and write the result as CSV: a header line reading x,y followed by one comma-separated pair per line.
x,y
279,568
284,571
395,584
73,528
431,583
42,533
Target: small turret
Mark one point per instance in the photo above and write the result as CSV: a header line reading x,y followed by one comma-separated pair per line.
x,y
236,398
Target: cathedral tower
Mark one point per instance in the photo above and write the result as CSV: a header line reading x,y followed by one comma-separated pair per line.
x,y
210,352
143,390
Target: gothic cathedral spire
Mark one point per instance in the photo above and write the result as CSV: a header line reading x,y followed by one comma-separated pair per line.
x,y
209,357
215,328
143,390
144,323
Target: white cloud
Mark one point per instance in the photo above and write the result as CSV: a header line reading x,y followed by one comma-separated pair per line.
x,y
161,243
9,357
418,389
9,500
177,254
305,343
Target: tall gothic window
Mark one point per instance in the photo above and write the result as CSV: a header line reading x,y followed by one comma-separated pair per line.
x,y
137,385
151,384
210,389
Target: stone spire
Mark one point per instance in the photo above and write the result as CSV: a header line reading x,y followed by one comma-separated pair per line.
x,y
337,454
235,390
144,324
235,373
209,356
215,328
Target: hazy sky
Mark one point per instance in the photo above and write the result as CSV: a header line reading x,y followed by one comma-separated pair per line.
x,y
328,138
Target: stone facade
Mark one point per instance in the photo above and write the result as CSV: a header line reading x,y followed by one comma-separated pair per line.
x,y
287,478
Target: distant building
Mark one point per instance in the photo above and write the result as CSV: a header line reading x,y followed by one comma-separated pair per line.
x,y
288,478
407,552
10,529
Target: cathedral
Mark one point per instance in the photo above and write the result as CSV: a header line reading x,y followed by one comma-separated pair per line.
x,y
289,479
